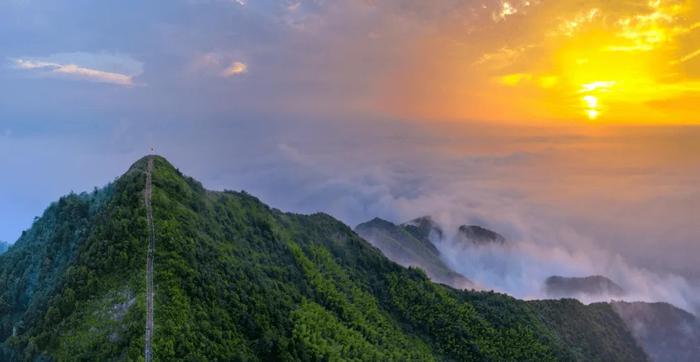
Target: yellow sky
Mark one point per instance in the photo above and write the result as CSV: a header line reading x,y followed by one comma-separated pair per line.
x,y
615,62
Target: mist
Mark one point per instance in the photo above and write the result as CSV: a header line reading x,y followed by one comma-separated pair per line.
x,y
571,202
618,202
521,267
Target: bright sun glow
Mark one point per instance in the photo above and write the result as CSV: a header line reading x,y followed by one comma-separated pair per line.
x,y
591,106
593,91
612,63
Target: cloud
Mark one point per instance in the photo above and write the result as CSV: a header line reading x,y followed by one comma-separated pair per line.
x,y
236,68
506,9
514,79
502,57
394,58
570,26
218,63
688,57
544,193
46,66
648,31
521,267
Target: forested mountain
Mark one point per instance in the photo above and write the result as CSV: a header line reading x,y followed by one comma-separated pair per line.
x,y
3,246
409,245
667,333
477,235
591,285
238,280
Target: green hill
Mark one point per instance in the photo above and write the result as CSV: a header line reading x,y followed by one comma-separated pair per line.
x,y
4,246
238,280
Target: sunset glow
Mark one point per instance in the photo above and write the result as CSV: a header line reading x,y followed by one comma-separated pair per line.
x,y
634,62
625,64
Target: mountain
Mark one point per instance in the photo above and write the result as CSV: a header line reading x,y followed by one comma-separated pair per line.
x,y
596,285
665,332
479,236
424,228
4,246
409,245
237,280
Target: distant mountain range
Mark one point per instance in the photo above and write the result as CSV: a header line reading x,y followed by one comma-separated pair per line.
x,y
479,236
4,246
667,333
409,245
559,286
413,244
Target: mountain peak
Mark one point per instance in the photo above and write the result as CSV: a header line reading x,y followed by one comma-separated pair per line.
x,y
480,236
423,227
376,223
590,285
142,162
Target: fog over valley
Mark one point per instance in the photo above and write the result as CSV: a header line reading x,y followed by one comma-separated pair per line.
x,y
564,212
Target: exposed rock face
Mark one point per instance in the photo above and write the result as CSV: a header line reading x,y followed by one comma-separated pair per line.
x,y
559,286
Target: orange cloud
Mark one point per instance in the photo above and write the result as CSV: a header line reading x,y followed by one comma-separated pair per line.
x,y
236,68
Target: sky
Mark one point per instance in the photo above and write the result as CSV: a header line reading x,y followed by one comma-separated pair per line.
x,y
564,125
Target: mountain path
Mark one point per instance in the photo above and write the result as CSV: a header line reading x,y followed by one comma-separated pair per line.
x,y
148,350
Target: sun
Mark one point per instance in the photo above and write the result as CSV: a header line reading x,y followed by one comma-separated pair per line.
x,y
631,65
592,92
591,106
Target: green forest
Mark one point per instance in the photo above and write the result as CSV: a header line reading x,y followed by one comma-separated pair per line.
x,y
237,280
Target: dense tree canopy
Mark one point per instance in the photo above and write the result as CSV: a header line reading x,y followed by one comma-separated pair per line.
x,y
238,280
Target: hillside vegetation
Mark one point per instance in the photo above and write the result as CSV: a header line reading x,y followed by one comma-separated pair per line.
x,y
409,245
238,280
666,333
4,246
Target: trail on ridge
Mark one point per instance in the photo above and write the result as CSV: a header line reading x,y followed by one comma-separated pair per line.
x,y
149,264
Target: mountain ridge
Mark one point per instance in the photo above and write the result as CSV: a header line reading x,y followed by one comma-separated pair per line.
x,y
591,285
236,279
666,332
480,236
410,246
